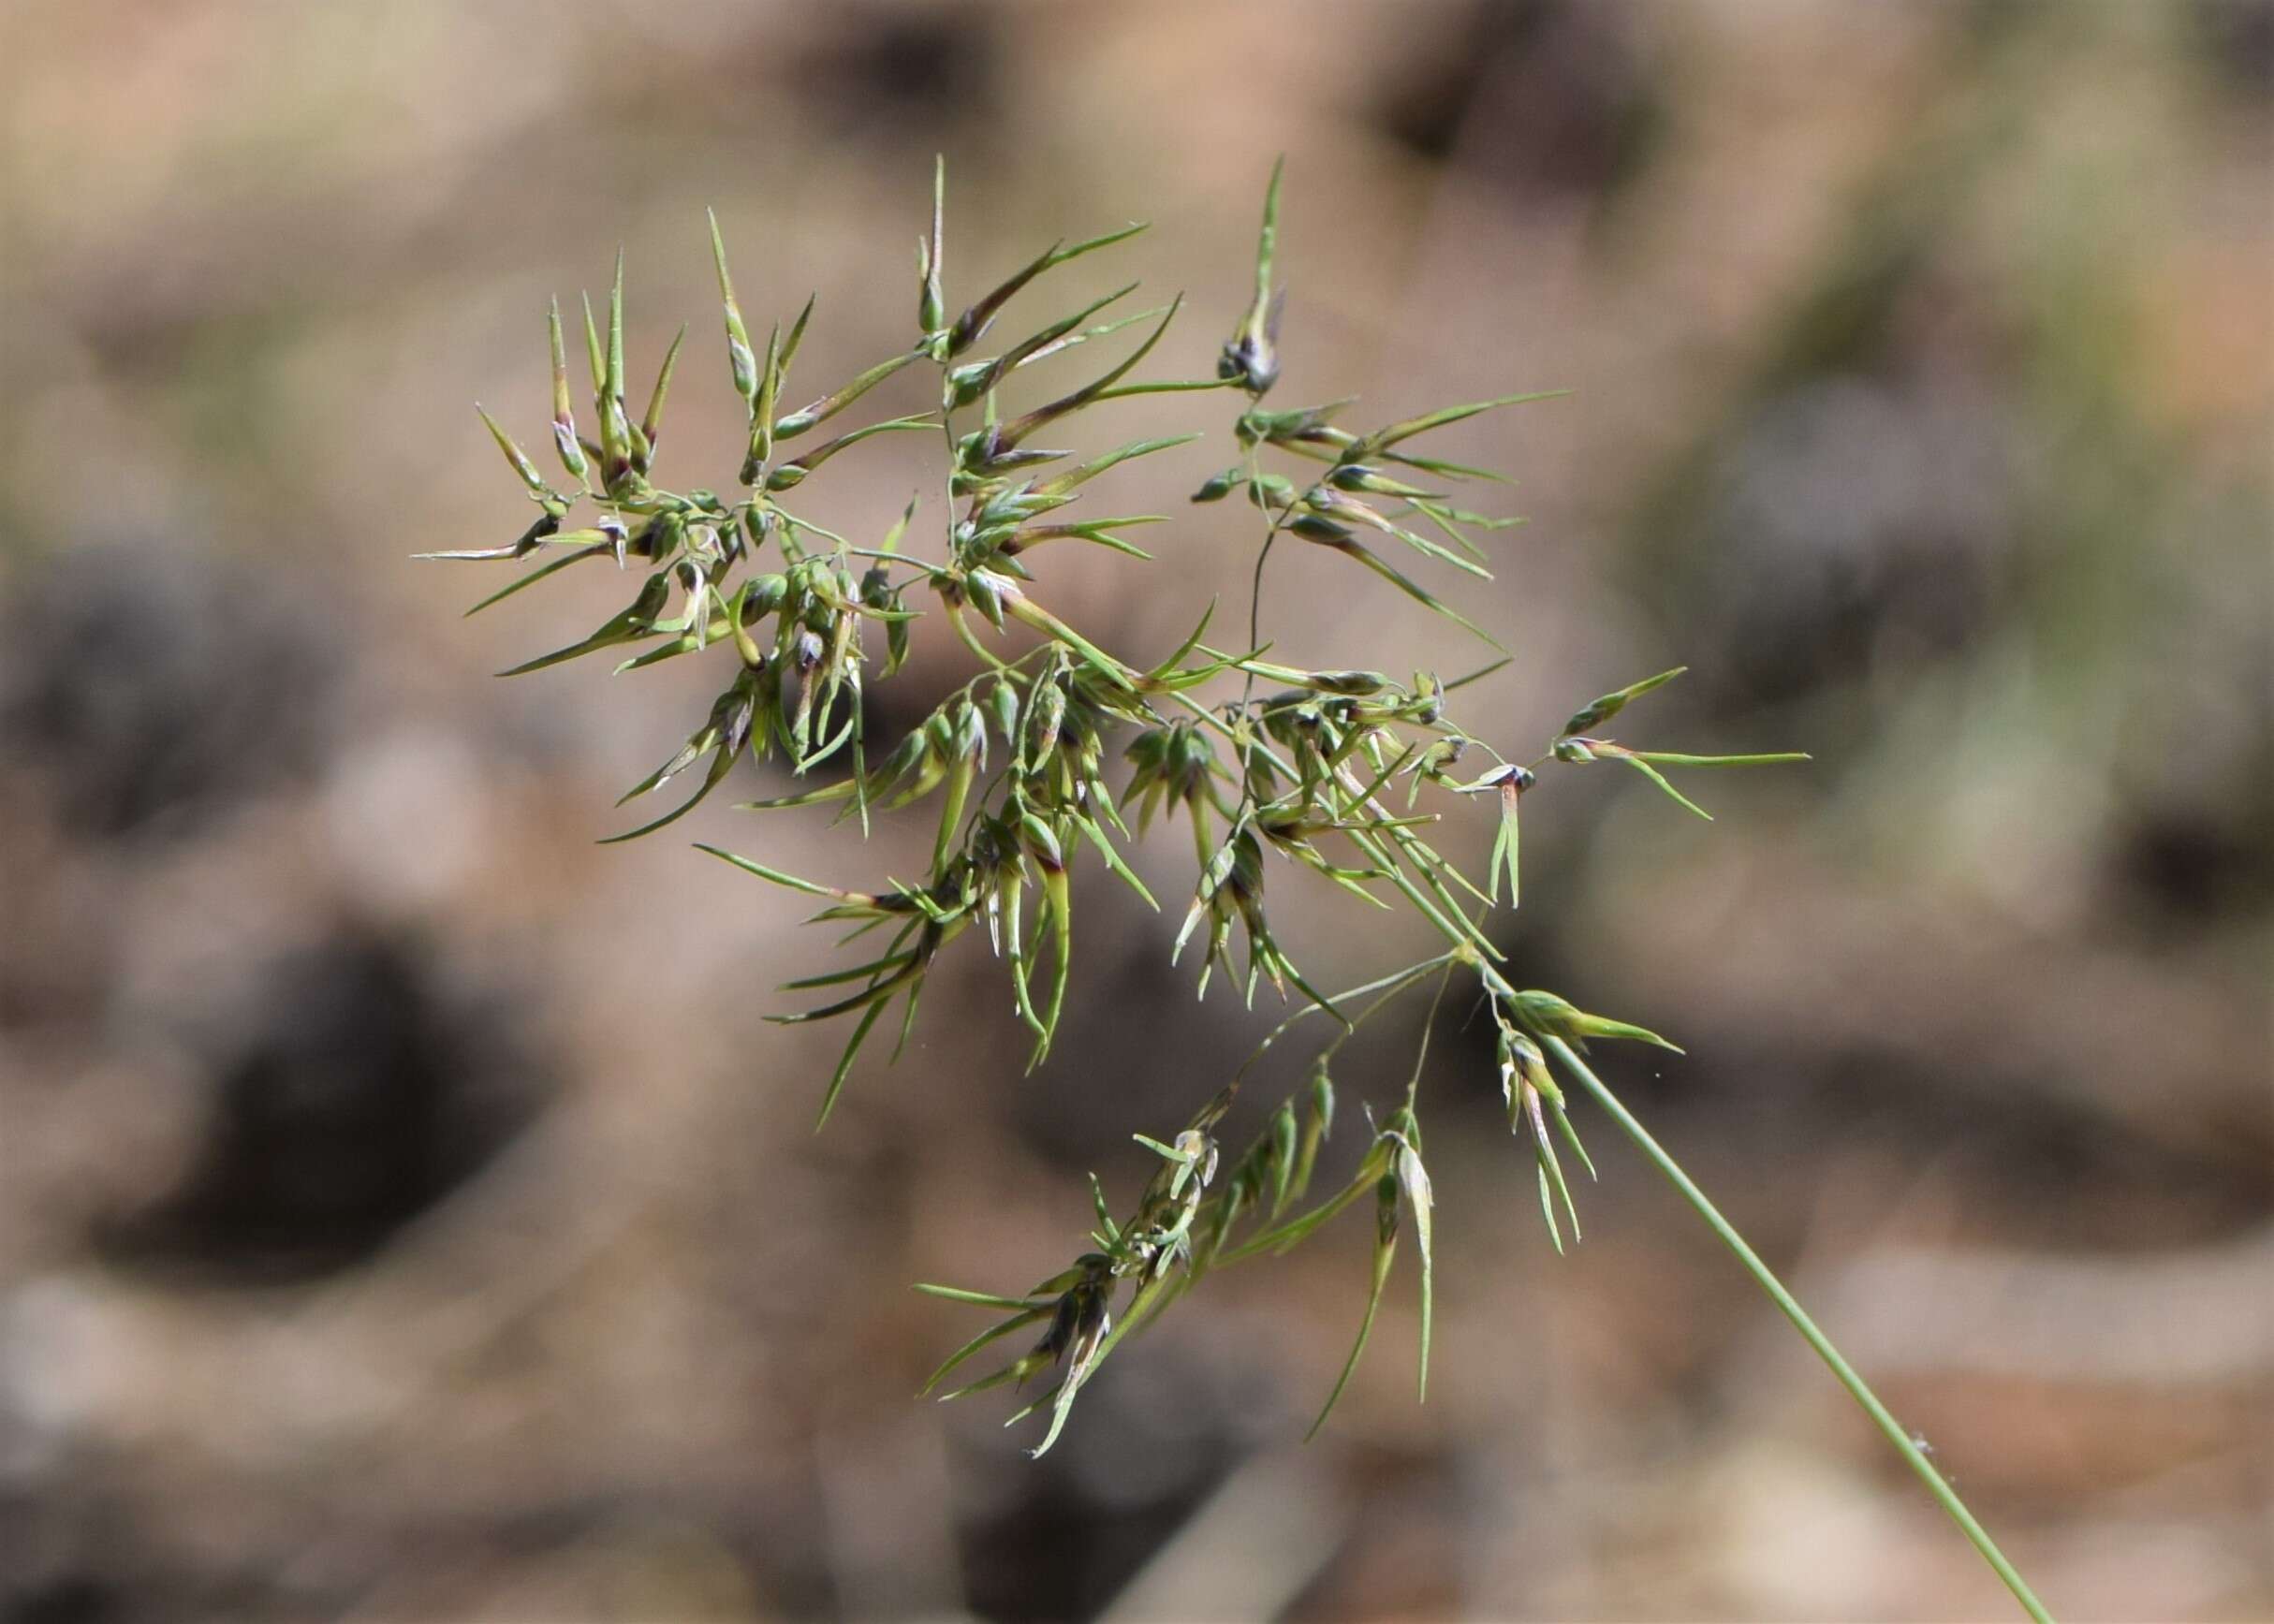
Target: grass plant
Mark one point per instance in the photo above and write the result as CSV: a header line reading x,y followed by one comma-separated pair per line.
x,y
1281,774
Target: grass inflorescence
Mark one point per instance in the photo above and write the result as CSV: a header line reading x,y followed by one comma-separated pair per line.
x,y
1275,770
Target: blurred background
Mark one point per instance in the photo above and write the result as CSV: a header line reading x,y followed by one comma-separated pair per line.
x,y
406,1212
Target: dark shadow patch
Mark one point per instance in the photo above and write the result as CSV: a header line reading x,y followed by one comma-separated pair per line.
x,y
363,1093
1567,104
155,689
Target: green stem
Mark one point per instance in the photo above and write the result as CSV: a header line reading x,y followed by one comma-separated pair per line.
x,y
1300,1228
1946,1496
1429,1024
1263,557
1396,982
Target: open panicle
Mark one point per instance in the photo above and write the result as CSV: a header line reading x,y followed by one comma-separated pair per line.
x,y
1276,767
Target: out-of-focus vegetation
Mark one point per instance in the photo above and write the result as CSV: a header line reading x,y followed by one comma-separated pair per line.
x,y
406,1213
